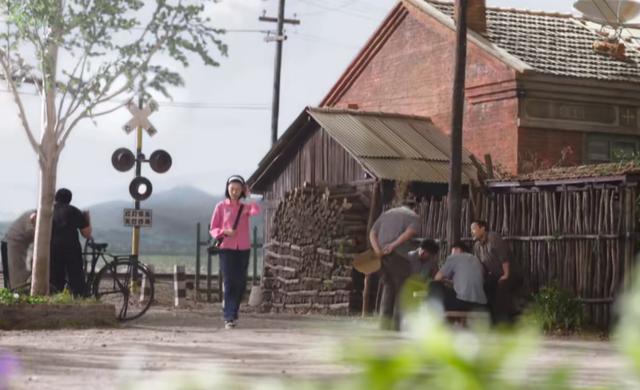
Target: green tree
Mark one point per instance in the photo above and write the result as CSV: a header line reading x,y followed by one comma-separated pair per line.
x,y
82,55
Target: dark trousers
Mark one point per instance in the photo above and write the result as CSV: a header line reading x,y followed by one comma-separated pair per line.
x,y
445,294
66,266
500,297
395,270
234,265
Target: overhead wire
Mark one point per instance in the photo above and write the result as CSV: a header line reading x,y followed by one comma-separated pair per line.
x,y
341,10
179,104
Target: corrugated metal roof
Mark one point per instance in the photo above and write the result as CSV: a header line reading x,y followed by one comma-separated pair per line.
x,y
354,136
393,146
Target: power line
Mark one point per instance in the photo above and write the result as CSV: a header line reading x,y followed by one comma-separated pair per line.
x,y
188,105
321,39
341,10
347,6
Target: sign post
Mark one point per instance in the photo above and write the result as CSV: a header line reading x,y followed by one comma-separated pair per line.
x,y
140,187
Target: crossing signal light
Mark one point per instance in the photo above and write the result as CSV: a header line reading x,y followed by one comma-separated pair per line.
x,y
140,188
160,161
123,159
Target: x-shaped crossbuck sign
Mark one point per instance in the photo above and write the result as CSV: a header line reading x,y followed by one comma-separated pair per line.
x,y
140,119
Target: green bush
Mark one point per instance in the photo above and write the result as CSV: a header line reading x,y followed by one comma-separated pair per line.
x,y
556,309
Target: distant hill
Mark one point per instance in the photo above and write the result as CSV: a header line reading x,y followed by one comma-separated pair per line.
x,y
175,215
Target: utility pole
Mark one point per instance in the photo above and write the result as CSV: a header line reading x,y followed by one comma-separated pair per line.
x,y
279,38
457,119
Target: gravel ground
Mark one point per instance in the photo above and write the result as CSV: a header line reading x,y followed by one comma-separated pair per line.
x,y
192,340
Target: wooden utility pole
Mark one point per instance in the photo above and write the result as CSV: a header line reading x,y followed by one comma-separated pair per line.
x,y
279,38
457,119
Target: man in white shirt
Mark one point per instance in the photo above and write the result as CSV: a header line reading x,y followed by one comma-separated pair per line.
x,y
19,237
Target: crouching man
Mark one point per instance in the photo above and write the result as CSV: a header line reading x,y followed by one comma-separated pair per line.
x,y
459,284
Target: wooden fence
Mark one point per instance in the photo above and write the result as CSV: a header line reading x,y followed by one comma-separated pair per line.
x,y
581,238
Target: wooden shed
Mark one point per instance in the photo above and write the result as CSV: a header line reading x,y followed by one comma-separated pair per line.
x,y
324,183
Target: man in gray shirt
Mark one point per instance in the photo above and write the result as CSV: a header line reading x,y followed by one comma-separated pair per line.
x,y
466,273
19,237
390,238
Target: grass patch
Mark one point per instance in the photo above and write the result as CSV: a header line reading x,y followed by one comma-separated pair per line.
x,y
8,297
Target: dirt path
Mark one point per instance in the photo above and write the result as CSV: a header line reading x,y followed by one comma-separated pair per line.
x,y
194,341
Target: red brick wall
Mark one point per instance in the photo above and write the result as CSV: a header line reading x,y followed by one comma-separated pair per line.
x,y
544,148
412,74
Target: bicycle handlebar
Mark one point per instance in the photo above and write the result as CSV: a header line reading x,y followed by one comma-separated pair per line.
x,y
101,247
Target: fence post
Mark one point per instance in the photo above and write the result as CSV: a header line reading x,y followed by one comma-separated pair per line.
x,y
209,266
197,281
145,289
179,284
255,255
220,285
4,253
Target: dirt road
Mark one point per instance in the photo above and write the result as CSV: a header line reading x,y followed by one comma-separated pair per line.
x,y
194,342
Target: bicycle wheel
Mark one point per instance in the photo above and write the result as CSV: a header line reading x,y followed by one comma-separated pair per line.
x,y
116,284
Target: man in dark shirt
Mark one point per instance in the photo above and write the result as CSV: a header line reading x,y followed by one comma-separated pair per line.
x,y
66,251
494,255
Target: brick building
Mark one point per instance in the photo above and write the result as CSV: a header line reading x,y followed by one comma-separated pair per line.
x,y
536,91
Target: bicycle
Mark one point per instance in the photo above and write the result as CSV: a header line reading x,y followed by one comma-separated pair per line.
x,y
117,282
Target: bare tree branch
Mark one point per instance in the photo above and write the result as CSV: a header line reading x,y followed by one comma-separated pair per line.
x,y
76,103
109,111
81,62
103,98
16,97
84,115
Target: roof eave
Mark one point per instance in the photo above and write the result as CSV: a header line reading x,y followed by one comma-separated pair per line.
x,y
274,154
624,178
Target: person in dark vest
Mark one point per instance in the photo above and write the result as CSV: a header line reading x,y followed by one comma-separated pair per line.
x,y
66,251
390,238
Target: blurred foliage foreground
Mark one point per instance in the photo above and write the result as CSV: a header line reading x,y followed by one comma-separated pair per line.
x,y
430,354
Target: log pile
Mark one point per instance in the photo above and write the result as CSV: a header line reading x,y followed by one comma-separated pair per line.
x,y
307,260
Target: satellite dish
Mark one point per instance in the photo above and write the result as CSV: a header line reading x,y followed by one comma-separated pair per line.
x,y
614,13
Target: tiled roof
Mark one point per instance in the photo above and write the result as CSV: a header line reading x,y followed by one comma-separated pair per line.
x,y
555,44
393,146
603,171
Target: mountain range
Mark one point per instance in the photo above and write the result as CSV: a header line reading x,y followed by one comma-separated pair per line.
x,y
175,215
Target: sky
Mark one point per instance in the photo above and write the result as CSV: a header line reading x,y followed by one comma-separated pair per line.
x,y
219,122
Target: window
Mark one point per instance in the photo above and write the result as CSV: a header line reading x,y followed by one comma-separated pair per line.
x,y
602,149
597,151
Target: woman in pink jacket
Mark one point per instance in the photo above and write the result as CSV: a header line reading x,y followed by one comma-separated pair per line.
x,y
236,244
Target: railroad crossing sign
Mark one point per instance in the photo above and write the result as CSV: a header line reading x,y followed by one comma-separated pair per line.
x,y
141,118
137,218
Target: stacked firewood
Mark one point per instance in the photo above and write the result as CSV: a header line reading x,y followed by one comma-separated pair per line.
x,y
307,260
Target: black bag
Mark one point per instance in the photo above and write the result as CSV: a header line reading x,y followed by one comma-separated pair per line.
x,y
214,247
